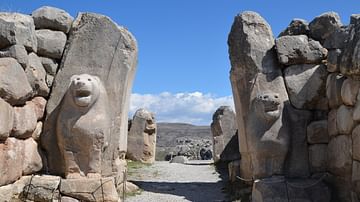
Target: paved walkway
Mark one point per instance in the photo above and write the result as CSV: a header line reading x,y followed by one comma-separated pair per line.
x,y
172,182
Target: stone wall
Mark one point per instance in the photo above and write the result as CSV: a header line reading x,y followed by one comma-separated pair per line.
x,y
319,64
39,55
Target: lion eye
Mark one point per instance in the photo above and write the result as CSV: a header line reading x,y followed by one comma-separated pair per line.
x,y
77,78
276,96
266,97
89,79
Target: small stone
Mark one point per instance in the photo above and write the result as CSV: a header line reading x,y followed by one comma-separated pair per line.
x,y
48,17
50,43
50,65
18,29
6,119
14,85
37,132
349,91
332,126
36,75
334,83
32,161
17,52
296,27
318,158
324,25
317,132
49,80
339,155
333,60
344,119
298,49
356,143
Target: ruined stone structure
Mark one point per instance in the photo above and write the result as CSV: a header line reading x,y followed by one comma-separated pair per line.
x,y
142,137
296,103
49,60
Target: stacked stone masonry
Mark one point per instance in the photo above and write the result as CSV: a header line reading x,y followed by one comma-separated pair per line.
x,y
36,54
319,109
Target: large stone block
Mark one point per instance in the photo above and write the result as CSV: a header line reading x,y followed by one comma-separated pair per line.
x,y
115,66
36,75
306,86
356,143
317,132
344,119
260,97
299,49
324,25
318,158
334,83
142,137
332,125
14,85
50,65
31,161
50,43
18,29
223,129
18,52
296,27
25,120
349,91
6,119
338,39
333,60
47,17
340,155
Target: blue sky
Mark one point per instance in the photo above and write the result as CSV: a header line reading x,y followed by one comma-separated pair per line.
x,y
183,51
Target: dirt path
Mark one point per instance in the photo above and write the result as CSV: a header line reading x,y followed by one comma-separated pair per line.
x,y
172,182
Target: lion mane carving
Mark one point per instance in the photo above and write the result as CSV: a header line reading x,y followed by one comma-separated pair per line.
x,y
83,126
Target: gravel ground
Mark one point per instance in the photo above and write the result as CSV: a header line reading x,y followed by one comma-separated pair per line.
x,y
172,182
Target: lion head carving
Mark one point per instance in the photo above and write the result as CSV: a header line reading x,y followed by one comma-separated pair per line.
x,y
84,89
267,106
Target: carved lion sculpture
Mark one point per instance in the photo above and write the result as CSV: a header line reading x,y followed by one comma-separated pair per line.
x,y
266,137
83,126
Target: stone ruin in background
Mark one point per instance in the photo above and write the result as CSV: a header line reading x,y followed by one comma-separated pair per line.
x,y
82,72
297,106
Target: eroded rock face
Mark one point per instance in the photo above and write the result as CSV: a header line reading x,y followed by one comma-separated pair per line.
x,y
339,155
36,75
50,43
18,52
324,25
260,97
6,119
296,27
115,66
48,17
224,129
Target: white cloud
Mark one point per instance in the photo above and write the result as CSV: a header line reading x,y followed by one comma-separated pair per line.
x,y
195,108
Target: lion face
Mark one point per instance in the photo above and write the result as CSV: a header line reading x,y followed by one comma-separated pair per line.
x,y
85,89
268,106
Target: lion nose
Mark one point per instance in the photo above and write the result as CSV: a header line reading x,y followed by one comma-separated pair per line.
x,y
79,83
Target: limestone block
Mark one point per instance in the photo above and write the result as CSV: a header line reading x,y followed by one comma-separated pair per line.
x,y
306,86
333,60
349,91
37,132
142,137
38,104
344,119
86,189
25,121
18,29
332,124
356,143
32,161
334,83
11,156
317,132
338,39
14,85
340,155
50,43
324,25
47,17
17,52
68,199
299,49
36,75
50,65
12,192
296,27
6,119
115,65
318,158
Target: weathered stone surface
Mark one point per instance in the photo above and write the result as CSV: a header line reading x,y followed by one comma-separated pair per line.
x,y
318,158
332,123
36,75
40,188
349,91
223,129
18,29
356,143
333,60
32,161
234,170
18,52
317,132
49,80
356,113
306,86
11,161
68,199
6,119
324,25
38,104
344,119
278,189
260,95
296,27
355,178
47,17
25,120
12,192
86,189
337,39
14,86
142,137
334,83
339,155
179,159
50,43
50,65
37,132
299,49
115,65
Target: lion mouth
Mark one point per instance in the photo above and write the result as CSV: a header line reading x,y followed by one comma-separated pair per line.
x,y
272,108
82,97
82,93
